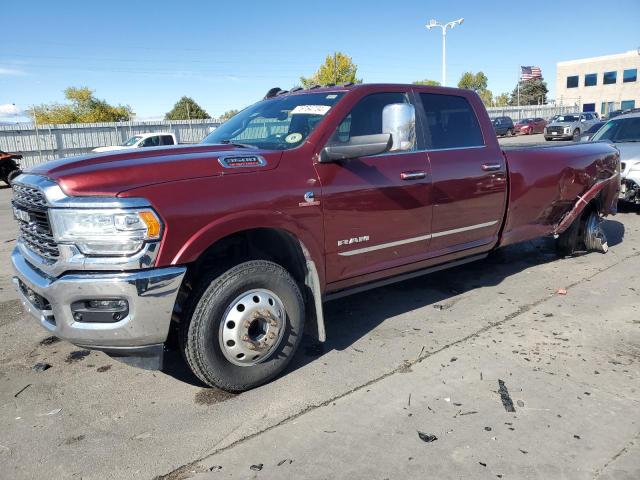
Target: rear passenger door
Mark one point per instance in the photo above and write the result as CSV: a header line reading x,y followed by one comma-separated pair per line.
x,y
469,187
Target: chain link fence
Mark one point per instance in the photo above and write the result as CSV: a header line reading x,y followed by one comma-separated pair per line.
x,y
40,143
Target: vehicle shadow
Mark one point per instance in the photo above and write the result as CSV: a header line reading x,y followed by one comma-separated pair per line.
x,y
351,318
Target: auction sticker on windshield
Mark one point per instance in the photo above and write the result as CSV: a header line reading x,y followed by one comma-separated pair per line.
x,y
293,138
311,109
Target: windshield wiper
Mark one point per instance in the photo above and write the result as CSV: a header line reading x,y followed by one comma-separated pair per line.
x,y
235,144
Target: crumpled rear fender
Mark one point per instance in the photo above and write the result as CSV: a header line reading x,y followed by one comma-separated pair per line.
x,y
605,190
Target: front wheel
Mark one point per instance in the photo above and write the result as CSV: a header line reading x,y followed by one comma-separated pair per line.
x,y
243,326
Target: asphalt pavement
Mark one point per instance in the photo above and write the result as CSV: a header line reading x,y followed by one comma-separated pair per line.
x,y
523,365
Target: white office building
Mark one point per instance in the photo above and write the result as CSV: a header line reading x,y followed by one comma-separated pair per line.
x,y
600,84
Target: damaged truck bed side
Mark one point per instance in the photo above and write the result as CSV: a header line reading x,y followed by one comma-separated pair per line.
x,y
308,195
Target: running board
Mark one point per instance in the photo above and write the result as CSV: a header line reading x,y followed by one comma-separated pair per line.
x,y
400,278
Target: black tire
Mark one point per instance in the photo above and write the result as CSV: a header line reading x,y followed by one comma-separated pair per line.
x,y
13,175
571,241
200,329
510,132
576,135
548,139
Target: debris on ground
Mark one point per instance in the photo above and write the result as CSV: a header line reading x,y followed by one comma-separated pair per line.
x,y
483,464
215,468
453,359
104,368
257,468
487,429
520,403
41,367
77,355
505,397
282,462
49,340
52,412
562,291
425,437
21,390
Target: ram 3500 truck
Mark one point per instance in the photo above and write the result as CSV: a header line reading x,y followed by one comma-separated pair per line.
x,y
232,244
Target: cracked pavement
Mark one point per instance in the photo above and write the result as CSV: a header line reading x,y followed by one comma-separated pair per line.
x,y
425,355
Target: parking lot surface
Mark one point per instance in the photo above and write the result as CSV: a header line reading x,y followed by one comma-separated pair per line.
x,y
523,365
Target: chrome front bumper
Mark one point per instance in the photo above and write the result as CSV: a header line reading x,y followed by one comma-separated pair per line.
x,y
151,295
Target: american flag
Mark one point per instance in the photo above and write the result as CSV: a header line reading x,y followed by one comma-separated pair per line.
x,y
529,73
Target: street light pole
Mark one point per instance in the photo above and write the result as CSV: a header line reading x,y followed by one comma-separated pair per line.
x,y
432,24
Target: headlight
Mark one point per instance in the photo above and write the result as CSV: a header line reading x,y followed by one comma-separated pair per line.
x,y
105,231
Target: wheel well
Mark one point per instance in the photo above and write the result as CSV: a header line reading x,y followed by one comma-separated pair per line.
x,y
275,245
270,244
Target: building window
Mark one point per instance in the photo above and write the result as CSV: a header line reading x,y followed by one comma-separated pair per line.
x,y
589,107
572,82
590,79
630,75
627,104
610,78
603,108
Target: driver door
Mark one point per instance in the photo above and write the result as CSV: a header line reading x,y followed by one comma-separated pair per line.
x,y
377,211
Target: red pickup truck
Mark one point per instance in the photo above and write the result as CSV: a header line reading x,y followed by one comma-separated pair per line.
x,y
308,195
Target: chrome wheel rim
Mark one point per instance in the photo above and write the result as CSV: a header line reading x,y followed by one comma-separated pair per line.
x,y
252,327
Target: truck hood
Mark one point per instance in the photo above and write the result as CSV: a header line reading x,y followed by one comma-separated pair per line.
x,y
109,174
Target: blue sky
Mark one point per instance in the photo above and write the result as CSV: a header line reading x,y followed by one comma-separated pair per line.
x,y
228,54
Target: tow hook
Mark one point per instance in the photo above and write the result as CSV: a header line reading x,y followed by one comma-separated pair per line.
x,y
594,237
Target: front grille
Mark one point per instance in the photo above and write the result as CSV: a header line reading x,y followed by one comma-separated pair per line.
x,y
558,130
33,221
29,197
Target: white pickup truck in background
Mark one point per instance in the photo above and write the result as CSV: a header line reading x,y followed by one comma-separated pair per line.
x,y
155,139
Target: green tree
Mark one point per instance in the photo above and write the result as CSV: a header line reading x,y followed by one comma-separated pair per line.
x,y
532,92
337,68
228,114
83,107
477,82
431,83
186,109
502,100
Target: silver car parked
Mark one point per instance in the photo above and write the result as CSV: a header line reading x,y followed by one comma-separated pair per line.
x,y
569,126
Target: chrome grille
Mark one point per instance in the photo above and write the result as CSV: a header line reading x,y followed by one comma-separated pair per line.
x,y
28,196
559,130
35,233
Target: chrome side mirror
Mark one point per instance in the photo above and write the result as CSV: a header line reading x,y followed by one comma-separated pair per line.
x,y
399,119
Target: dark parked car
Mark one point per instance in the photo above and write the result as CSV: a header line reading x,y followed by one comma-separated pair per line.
x,y
503,126
527,126
586,136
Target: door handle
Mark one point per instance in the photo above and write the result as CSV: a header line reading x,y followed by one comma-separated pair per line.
x,y
491,167
412,175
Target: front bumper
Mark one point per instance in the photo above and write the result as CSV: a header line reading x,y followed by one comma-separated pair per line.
x,y
151,295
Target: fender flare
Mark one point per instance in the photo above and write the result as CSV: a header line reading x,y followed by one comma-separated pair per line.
x,y
255,219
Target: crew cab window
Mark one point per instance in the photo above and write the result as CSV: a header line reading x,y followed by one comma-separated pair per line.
x,y
167,140
151,142
450,122
366,117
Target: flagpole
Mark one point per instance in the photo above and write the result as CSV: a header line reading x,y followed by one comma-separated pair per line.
x,y
519,75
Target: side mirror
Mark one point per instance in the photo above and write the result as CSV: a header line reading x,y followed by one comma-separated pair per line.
x,y
399,119
359,146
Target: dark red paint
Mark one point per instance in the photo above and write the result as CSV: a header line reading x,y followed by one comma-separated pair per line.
x,y
201,202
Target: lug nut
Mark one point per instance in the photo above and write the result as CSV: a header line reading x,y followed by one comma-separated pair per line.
x,y
251,346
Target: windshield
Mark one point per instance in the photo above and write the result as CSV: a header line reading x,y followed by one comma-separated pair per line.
x,y
131,141
278,123
567,118
526,120
620,130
